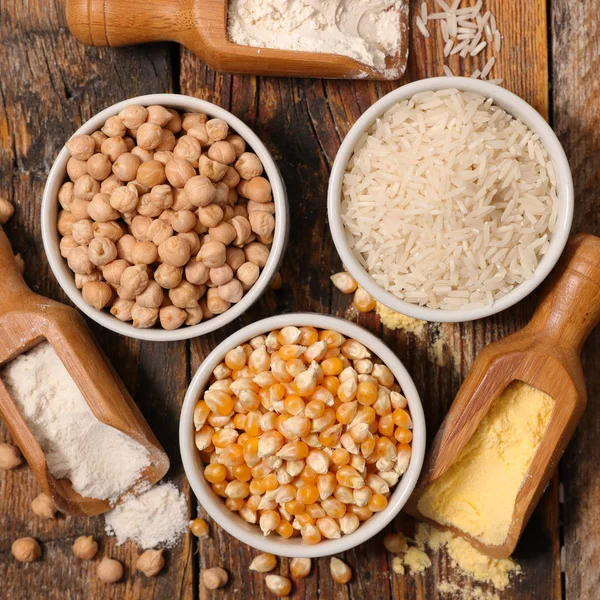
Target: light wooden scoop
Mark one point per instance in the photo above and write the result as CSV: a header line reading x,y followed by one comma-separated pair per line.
x,y
201,26
26,319
545,355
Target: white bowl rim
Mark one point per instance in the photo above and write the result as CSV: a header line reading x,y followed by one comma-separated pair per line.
x,y
515,106
64,276
251,535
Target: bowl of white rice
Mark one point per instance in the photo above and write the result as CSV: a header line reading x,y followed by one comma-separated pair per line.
x,y
450,199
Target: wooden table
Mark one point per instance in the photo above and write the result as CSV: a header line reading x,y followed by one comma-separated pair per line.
x,y
50,84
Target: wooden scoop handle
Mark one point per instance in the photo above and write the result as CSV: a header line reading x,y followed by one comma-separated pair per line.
x,y
570,306
128,22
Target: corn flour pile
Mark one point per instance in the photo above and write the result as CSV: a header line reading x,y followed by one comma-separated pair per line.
x,y
98,460
364,30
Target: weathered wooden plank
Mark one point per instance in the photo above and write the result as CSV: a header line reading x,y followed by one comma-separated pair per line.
x,y
576,115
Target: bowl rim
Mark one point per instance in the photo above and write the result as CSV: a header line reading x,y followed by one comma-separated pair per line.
x,y
250,534
514,105
66,280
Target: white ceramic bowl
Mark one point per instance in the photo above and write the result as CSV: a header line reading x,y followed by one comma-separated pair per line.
x,y
66,279
251,534
513,105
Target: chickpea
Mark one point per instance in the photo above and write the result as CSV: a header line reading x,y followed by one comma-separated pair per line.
x,y
42,506
85,187
144,253
133,282
79,261
222,152
215,303
232,291
183,220
113,147
113,270
212,253
76,168
266,240
122,309
257,253
97,293
178,171
206,312
223,232
125,247
212,169
188,148
151,173
172,317
111,183
185,295
98,138
126,166
114,127
217,129
99,167
66,244
242,228
149,136
85,547
238,143
248,274
194,316
113,230
159,115
258,189
168,276
231,178
167,142
163,156
174,251
139,228
143,155
174,124
81,147
262,223
181,200
10,457
211,215
199,132
78,209
248,165
240,210
268,207
101,251
196,272
235,257
124,198
159,231
193,239
167,215
200,190
151,297
26,549
222,195
220,275
100,210
81,280
82,232
133,116
65,194
109,570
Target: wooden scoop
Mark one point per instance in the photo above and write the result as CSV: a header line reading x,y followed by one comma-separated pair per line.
x,y
545,355
27,319
201,26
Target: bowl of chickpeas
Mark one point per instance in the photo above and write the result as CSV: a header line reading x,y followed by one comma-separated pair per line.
x,y
164,217
302,435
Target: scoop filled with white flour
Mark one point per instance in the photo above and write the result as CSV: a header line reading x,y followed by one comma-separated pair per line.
x,y
364,30
98,460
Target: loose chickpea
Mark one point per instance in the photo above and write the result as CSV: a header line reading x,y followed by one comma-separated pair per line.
x,y
174,251
179,171
181,200
144,253
191,119
78,209
65,195
258,189
248,165
99,167
199,132
268,207
133,116
79,261
159,231
185,295
159,115
188,148
113,270
167,142
85,547
122,309
81,147
238,143
10,457
97,293
133,282
194,316
126,166
223,232
109,570
113,230
212,169
139,228
200,190
143,155
231,178
151,562
196,272
65,222
151,297
183,220
212,253
151,173
174,124
210,215
248,274
257,253
163,156
85,187
172,317
262,223
168,276
231,291
235,257
110,183
81,280
26,549
214,578
83,232
193,239
217,129
149,136
142,317
101,251
98,138
99,209
114,127
222,152
124,198
113,147
215,303
66,244
76,168
220,275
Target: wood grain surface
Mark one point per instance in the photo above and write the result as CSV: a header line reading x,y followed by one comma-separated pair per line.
x,y
50,84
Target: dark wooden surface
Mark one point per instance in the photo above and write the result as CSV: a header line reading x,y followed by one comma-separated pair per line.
x,y
50,84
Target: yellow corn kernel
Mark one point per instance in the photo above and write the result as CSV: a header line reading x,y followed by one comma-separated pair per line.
x,y
215,473
270,482
297,427
386,425
344,282
397,400
285,529
354,350
201,412
234,504
334,507
332,366
383,374
237,489
331,436
219,488
359,432
333,339
308,336
300,567
295,467
242,472
349,523
326,485
268,421
340,571
253,501
315,351
289,335
332,383
286,493
239,420
250,451
377,502
291,351
349,477
348,443
294,404
203,437
377,484
252,423
310,534
347,390
326,420
307,494
363,513
263,563
366,393
329,528
199,527
340,457
269,443
403,454
232,455
279,370
364,414
269,521
260,360
313,409
224,437
318,461
315,510
303,519
293,451
218,421
312,440
309,476
363,301
346,412
401,418
295,507
362,496
218,402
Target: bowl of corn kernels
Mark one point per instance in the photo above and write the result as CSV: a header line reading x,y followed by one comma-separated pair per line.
x,y
302,435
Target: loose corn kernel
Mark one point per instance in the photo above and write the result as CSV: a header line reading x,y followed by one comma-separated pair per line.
x,y
347,390
237,489
310,534
293,451
403,435
329,528
224,437
401,418
269,443
234,504
232,455
285,529
263,563
199,527
250,451
377,502
242,472
333,339
403,454
260,360
359,432
349,477
386,425
278,585
395,543
315,351
252,423
294,404
215,473
303,519
219,489
269,521
398,400
344,282
377,484
332,383
326,420
201,412
307,494
300,567
334,507
340,571
318,461
219,402
326,485
291,351
383,374
308,336
236,358
309,476
366,393
313,409
346,412
218,421
363,301
203,437
270,482
315,511
364,513
239,420
331,436
332,366
340,457
295,507
289,335
362,496
349,523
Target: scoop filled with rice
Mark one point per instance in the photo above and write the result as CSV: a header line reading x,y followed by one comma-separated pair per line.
x,y
448,201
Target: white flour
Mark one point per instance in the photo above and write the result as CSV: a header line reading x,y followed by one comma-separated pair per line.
x,y
100,461
365,30
157,518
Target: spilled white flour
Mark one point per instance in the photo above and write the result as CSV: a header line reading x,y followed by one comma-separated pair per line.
x,y
364,30
156,518
98,460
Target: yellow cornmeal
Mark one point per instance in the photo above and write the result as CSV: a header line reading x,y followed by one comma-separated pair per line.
x,y
416,560
477,494
395,320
